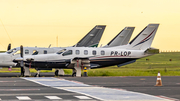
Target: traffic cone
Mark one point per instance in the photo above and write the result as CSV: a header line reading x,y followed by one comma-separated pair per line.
x,y
158,82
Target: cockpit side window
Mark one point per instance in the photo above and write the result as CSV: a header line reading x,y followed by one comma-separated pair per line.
x,y
26,51
61,51
11,51
17,52
35,52
69,52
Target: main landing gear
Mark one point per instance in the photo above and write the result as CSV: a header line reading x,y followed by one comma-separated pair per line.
x,y
37,74
25,71
74,73
56,72
59,72
79,65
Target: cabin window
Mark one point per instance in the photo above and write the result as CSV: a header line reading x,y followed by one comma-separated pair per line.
x,y
45,51
102,52
69,52
17,52
35,52
26,51
94,52
85,52
77,52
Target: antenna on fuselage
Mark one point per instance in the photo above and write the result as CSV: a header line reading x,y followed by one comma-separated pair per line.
x,y
49,46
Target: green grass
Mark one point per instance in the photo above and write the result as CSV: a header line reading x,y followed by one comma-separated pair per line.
x,y
159,62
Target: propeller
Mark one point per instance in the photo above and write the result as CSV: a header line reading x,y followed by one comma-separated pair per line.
x,y
21,62
9,47
21,51
21,54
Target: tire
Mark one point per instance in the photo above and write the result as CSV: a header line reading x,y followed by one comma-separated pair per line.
x,y
74,74
56,72
37,75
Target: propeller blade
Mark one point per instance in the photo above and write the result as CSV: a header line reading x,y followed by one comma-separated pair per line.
x,y
21,53
21,50
9,47
22,64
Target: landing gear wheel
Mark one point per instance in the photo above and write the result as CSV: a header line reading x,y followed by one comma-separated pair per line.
x,y
37,75
74,74
56,72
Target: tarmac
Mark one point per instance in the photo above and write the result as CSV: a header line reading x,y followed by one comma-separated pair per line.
x,y
169,90
87,88
15,89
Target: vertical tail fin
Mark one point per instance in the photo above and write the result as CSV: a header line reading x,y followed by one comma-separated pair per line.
x,y
144,39
93,37
122,38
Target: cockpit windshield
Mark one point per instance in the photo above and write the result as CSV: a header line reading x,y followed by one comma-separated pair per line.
x,y
11,51
61,51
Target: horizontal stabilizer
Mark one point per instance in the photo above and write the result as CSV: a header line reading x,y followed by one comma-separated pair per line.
x,y
152,51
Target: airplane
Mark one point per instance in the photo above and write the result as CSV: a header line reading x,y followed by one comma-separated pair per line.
x,y
122,38
79,57
90,40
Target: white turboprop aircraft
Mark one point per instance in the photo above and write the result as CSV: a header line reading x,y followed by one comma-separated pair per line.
x,y
90,40
122,38
79,57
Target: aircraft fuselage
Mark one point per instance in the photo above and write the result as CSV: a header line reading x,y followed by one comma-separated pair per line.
x,y
98,57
